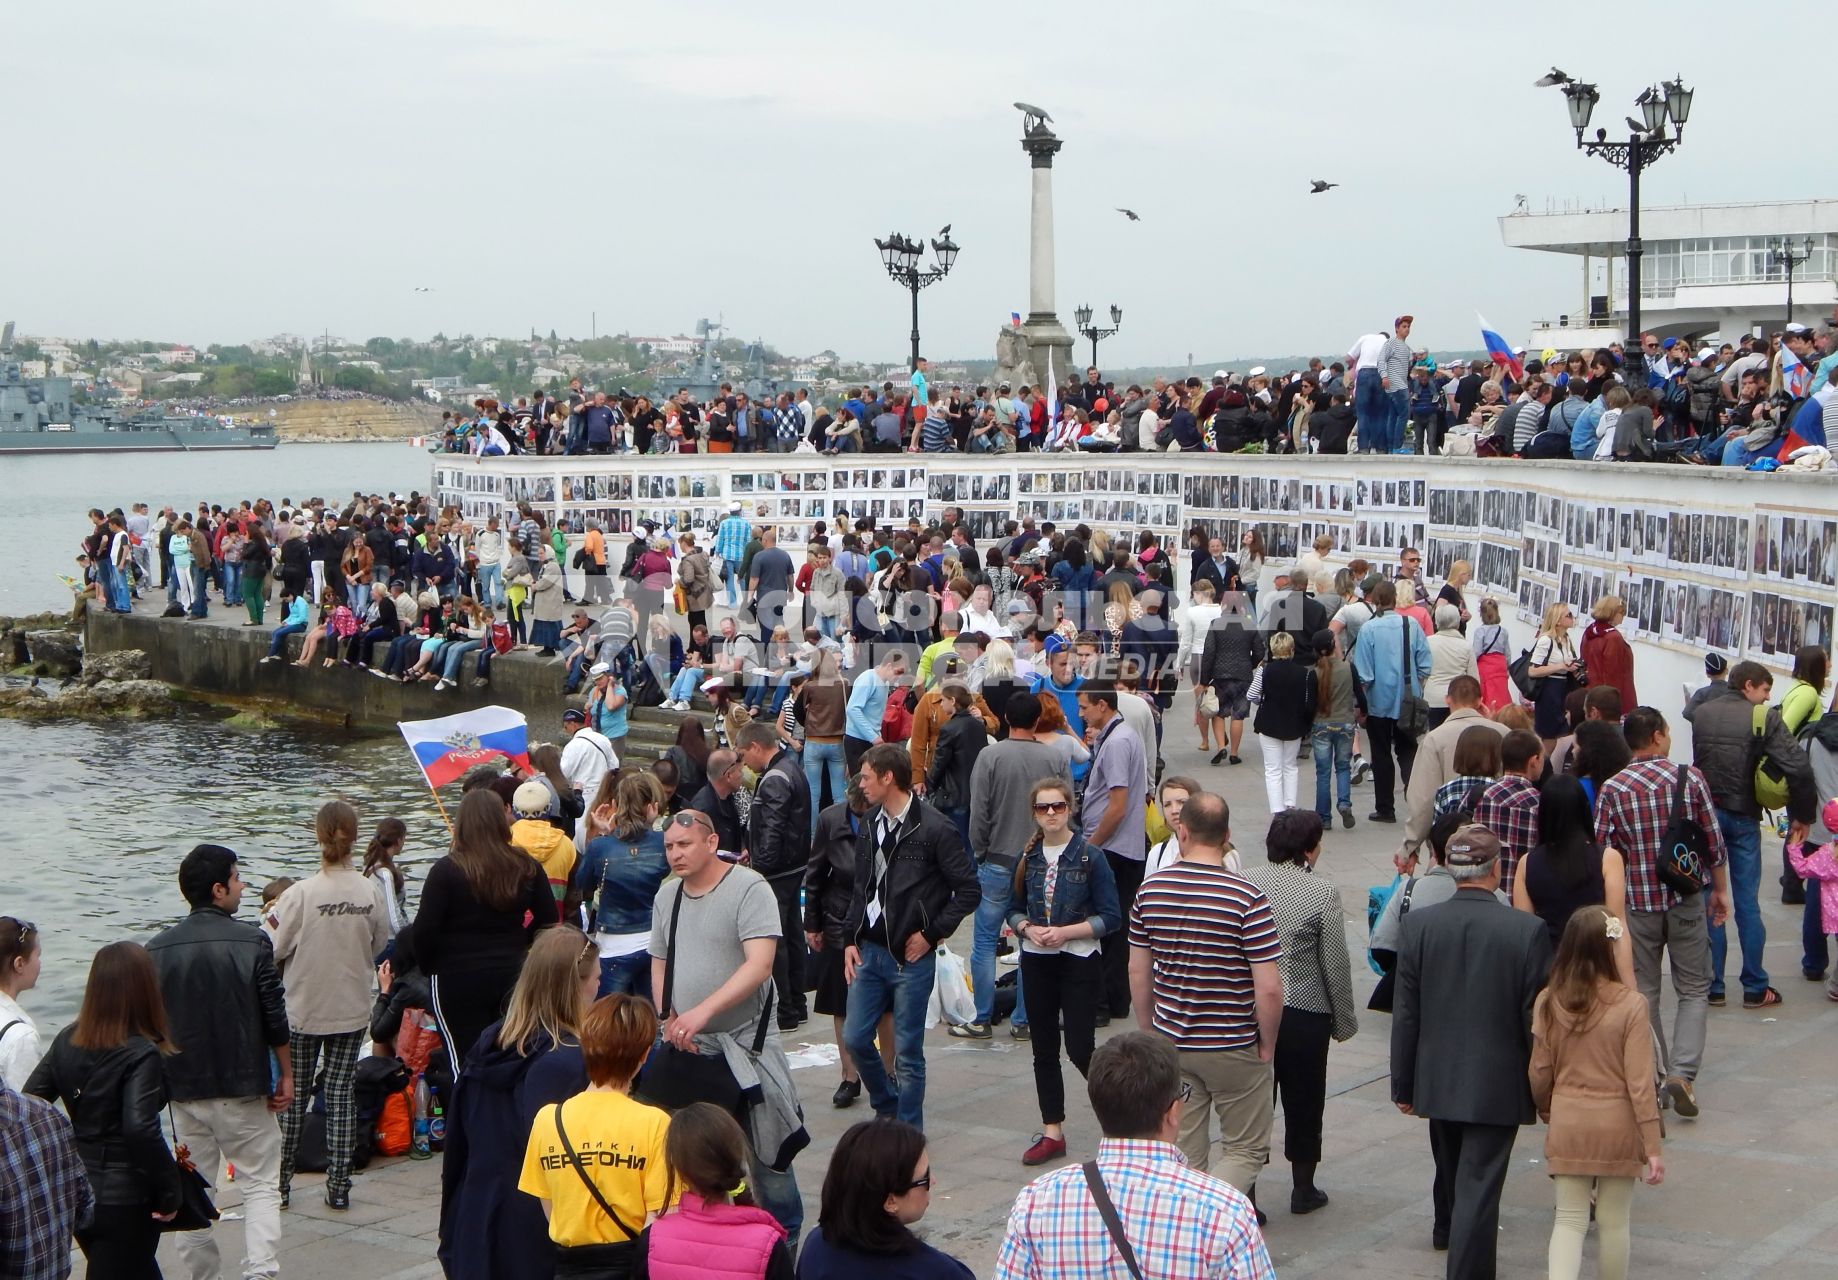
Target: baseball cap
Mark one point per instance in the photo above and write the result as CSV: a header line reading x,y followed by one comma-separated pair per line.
x,y
1257,371
1715,664
1668,344
1706,353
733,506
1797,328
1220,375
599,669
530,800
1054,643
574,715
1473,846
713,683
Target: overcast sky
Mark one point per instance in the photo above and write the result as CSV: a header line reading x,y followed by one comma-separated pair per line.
x,y
213,172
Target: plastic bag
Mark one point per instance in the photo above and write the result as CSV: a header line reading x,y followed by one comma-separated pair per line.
x,y
951,980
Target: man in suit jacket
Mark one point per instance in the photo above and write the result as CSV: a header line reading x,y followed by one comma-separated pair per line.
x,y
1461,1041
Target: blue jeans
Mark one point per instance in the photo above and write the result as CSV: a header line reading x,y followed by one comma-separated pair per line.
x,y
683,688
1373,410
491,584
232,581
115,587
729,578
881,984
1333,745
453,657
778,1195
1398,403
277,640
626,975
200,603
823,759
998,888
357,595
1742,836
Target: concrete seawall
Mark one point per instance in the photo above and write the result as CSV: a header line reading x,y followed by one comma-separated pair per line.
x,y
218,660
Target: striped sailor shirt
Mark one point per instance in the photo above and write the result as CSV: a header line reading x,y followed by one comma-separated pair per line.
x,y
1204,928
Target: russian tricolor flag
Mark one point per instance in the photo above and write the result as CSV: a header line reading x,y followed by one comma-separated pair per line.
x,y
1795,376
1500,349
1014,318
446,748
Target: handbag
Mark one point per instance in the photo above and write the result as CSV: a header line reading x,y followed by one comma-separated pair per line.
x,y
1209,701
1413,710
195,1211
673,1078
1519,671
679,599
1094,1182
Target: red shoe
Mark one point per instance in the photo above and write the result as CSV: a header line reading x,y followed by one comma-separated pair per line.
x,y
1044,1149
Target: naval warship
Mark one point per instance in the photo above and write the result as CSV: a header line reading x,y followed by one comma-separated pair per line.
x,y
37,416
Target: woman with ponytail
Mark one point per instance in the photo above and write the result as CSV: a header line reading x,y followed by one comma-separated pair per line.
x,y
329,928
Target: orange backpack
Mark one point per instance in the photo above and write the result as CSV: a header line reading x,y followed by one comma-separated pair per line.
x,y
394,1125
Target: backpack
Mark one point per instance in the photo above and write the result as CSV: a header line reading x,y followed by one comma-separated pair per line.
x,y
1684,849
500,637
1770,778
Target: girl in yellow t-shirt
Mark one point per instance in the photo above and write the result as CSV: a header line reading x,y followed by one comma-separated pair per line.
x,y
596,1161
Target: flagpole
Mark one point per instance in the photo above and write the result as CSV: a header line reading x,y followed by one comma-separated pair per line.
x,y
438,804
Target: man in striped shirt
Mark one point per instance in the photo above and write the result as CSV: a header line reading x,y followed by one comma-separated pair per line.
x,y
1203,973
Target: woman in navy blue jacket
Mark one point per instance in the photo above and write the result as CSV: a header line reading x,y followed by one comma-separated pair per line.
x,y
488,1229
879,1183
1065,901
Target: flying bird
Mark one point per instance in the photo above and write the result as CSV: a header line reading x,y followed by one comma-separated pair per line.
x,y
1030,109
1131,214
1317,186
422,288
1553,79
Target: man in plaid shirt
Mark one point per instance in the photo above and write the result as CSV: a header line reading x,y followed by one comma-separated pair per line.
x,y
1175,1220
44,1194
731,537
1631,817
1509,807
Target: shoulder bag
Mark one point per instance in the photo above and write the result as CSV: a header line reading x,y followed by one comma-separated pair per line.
x,y
1413,710
1684,849
1094,1182
596,1259
673,1078
195,1212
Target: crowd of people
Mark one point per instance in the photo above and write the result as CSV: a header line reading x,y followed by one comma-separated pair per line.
x,y
911,734
1677,398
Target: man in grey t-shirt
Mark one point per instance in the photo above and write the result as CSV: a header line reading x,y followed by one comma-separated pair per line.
x,y
1112,816
727,928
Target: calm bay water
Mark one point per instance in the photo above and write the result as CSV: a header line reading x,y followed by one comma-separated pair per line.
x,y
42,521
98,815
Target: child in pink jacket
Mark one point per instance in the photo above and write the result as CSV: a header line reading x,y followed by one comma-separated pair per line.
x,y
1821,865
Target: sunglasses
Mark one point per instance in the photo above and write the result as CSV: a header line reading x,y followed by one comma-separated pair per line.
x,y
920,1184
1185,1092
691,818
1050,806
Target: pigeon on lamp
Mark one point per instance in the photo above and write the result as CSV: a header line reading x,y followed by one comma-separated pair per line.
x,y
1029,109
1131,214
1552,80
944,230
1317,186
1635,125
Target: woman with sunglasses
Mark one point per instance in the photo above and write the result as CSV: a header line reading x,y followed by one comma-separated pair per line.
x,y
1065,901
879,1183
20,959
520,1065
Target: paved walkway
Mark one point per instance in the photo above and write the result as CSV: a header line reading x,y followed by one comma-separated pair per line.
x,y
1751,1187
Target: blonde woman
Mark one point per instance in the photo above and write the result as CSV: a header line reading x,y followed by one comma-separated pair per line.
x,y
1554,660
527,1061
1285,695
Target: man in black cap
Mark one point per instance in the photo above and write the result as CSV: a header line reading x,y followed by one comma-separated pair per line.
x,y
1717,672
1461,1042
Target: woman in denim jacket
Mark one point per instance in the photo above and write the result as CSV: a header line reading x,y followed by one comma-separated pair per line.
x,y
620,874
1065,901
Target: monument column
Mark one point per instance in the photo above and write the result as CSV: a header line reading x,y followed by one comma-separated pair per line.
x,y
1047,339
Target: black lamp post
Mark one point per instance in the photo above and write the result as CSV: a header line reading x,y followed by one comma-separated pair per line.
x,y
901,258
1083,316
1781,253
1647,141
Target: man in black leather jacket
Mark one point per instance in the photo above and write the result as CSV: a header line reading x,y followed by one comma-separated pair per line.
x,y
914,884
228,1014
779,847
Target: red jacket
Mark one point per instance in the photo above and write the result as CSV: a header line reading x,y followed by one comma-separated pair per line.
x,y
1608,660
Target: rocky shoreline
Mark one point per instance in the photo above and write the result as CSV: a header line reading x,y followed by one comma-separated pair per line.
x,y
49,677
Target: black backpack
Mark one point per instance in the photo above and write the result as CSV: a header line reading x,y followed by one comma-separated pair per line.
x,y
1684,849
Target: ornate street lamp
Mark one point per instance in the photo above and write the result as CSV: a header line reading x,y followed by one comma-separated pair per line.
x,y
1082,316
1646,142
901,255
1781,253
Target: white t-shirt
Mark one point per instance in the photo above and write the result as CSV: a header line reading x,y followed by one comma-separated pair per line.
x,y
1605,435
20,1049
1075,946
1364,354
586,759
1146,427
1168,852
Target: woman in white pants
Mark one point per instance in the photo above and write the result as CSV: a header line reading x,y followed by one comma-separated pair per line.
x,y
1283,691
